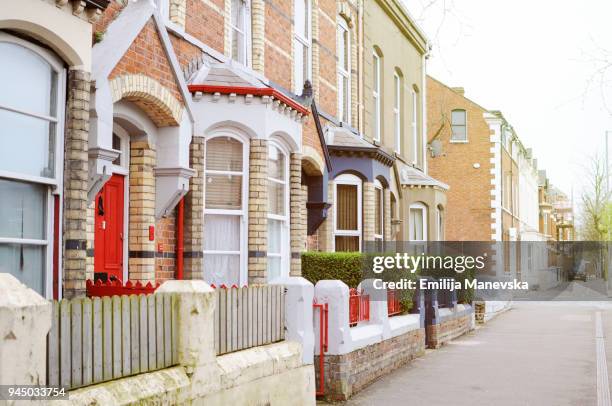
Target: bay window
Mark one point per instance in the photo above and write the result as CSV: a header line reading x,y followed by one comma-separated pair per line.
x,y
240,25
32,100
302,44
418,222
344,72
348,198
376,97
278,212
225,211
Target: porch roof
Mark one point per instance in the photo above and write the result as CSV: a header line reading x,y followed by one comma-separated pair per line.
x,y
410,176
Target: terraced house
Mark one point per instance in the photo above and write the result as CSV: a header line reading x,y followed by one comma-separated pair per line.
x,y
381,190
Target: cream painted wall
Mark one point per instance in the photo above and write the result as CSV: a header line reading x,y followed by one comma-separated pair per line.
x,y
399,52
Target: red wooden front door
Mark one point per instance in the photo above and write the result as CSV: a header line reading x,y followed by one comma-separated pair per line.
x,y
108,239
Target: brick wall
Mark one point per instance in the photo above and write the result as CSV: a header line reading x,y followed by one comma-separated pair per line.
x,y
347,374
165,242
450,328
468,211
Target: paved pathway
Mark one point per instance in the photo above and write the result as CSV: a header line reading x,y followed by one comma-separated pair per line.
x,y
540,354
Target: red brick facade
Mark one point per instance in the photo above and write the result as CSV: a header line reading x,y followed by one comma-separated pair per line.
x,y
465,167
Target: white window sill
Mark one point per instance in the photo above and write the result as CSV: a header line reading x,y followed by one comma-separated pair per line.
x,y
459,141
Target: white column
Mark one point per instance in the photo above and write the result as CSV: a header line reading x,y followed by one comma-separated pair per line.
x,y
299,314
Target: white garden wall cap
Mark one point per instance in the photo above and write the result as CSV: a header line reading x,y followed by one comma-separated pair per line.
x,y
13,293
291,280
185,286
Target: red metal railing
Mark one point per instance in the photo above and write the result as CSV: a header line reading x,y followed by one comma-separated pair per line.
x,y
116,288
323,342
359,307
394,306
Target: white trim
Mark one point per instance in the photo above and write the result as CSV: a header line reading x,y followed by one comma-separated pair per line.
x,y
439,224
245,31
376,96
344,73
348,179
397,111
285,245
466,140
415,129
306,41
423,208
54,184
123,170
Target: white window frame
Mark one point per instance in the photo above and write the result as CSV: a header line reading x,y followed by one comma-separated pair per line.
x,y
348,179
379,187
57,180
243,212
245,31
423,208
307,43
376,96
344,106
458,141
397,109
415,128
284,219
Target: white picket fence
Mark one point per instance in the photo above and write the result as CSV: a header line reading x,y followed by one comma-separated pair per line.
x,y
99,339
249,317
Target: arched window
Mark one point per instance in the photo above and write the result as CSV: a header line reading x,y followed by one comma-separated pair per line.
x,y
348,202
302,44
379,202
458,125
376,95
278,212
32,102
418,222
225,211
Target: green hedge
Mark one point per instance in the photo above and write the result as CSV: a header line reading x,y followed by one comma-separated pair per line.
x,y
345,266
348,267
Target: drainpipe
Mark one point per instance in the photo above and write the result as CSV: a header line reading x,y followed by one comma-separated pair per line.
x,y
180,248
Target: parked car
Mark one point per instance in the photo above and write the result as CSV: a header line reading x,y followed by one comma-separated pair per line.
x,y
580,276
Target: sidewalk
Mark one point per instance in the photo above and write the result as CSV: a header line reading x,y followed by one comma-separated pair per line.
x,y
536,354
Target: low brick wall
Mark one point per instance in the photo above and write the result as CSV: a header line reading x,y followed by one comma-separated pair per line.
x,y
347,374
449,326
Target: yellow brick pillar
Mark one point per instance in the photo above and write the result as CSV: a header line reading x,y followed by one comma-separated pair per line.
x,y
258,211
194,213
298,230
76,184
258,10
141,263
369,211
387,215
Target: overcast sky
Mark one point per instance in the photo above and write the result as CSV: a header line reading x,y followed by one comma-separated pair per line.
x,y
531,59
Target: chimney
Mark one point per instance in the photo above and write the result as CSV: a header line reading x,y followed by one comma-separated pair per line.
x,y
459,90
